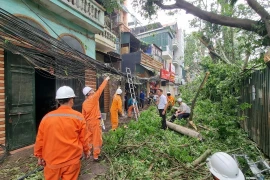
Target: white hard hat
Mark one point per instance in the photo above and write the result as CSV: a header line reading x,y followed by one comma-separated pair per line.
x,y
118,91
168,92
65,92
86,90
224,167
179,100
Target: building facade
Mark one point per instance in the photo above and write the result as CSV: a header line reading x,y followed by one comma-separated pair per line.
x,y
170,39
28,89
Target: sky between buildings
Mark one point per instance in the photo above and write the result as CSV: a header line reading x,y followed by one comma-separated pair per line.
x,y
181,17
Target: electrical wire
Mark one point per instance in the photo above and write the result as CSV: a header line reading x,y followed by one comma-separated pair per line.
x,y
44,51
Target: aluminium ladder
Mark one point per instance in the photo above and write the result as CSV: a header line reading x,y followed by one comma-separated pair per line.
x,y
257,168
132,93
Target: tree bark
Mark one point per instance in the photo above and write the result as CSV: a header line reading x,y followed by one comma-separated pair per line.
x,y
184,130
261,12
245,24
201,158
197,94
246,60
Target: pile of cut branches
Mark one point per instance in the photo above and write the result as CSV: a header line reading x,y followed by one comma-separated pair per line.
x,y
144,151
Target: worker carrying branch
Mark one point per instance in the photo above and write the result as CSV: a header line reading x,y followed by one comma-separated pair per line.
x,y
182,112
61,139
92,115
223,167
116,108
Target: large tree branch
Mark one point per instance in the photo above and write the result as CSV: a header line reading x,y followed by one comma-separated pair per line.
x,y
258,9
262,12
245,24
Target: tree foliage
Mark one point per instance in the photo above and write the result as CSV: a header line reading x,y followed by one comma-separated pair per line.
x,y
213,13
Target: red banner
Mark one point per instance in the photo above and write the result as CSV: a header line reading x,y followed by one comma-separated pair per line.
x,y
172,72
164,74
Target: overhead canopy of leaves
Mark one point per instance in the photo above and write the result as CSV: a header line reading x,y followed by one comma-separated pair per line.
x,y
260,25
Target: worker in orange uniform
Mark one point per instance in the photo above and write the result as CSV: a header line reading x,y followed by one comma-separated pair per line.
x,y
92,115
116,108
61,139
170,100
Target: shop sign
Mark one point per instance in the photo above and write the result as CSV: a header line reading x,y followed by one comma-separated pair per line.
x,y
164,74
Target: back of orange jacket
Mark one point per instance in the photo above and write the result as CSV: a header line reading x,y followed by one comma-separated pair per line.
x,y
117,104
62,137
90,108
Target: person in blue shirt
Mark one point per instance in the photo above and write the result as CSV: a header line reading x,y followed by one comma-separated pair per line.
x,y
141,99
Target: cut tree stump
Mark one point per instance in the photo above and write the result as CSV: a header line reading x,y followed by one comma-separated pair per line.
x,y
184,130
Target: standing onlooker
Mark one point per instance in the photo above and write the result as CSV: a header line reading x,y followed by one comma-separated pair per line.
x,y
61,139
92,115
142,99
116,108
150,99
126,101
162,107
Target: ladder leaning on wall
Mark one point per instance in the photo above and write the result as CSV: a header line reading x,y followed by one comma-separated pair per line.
x,y
132,93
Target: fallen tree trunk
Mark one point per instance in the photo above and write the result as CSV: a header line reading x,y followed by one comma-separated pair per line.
x,y
184,130
201,158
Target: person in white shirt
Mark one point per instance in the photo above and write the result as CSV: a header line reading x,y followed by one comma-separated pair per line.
x,y
162,107
182,112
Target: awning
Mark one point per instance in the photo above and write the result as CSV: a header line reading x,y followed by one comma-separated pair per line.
x,y
148,68
110,57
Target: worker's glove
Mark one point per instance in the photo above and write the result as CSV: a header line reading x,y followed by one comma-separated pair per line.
x,y
107,78
41,162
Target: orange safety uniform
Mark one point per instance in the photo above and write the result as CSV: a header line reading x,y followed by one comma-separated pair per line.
x,y
170,100
92,115
130,109
61,139
115,108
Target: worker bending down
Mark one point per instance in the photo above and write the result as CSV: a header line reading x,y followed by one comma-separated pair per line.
x,y
132,106
223,167
182,112
61,139
116,108
92,115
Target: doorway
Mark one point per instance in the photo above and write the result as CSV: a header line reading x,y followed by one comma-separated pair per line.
x,y
45,94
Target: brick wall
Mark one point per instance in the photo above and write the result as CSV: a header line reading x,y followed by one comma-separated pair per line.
x,y
107,99
90,78
2,98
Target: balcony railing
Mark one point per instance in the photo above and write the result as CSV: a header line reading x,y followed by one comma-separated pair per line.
x,y
106,41
89,8
108,35
175,43
167,52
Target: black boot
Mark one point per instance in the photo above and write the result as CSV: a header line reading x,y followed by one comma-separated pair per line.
x,y
173,118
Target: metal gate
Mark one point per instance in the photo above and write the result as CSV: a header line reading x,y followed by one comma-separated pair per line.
x,y
256,91
20,101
